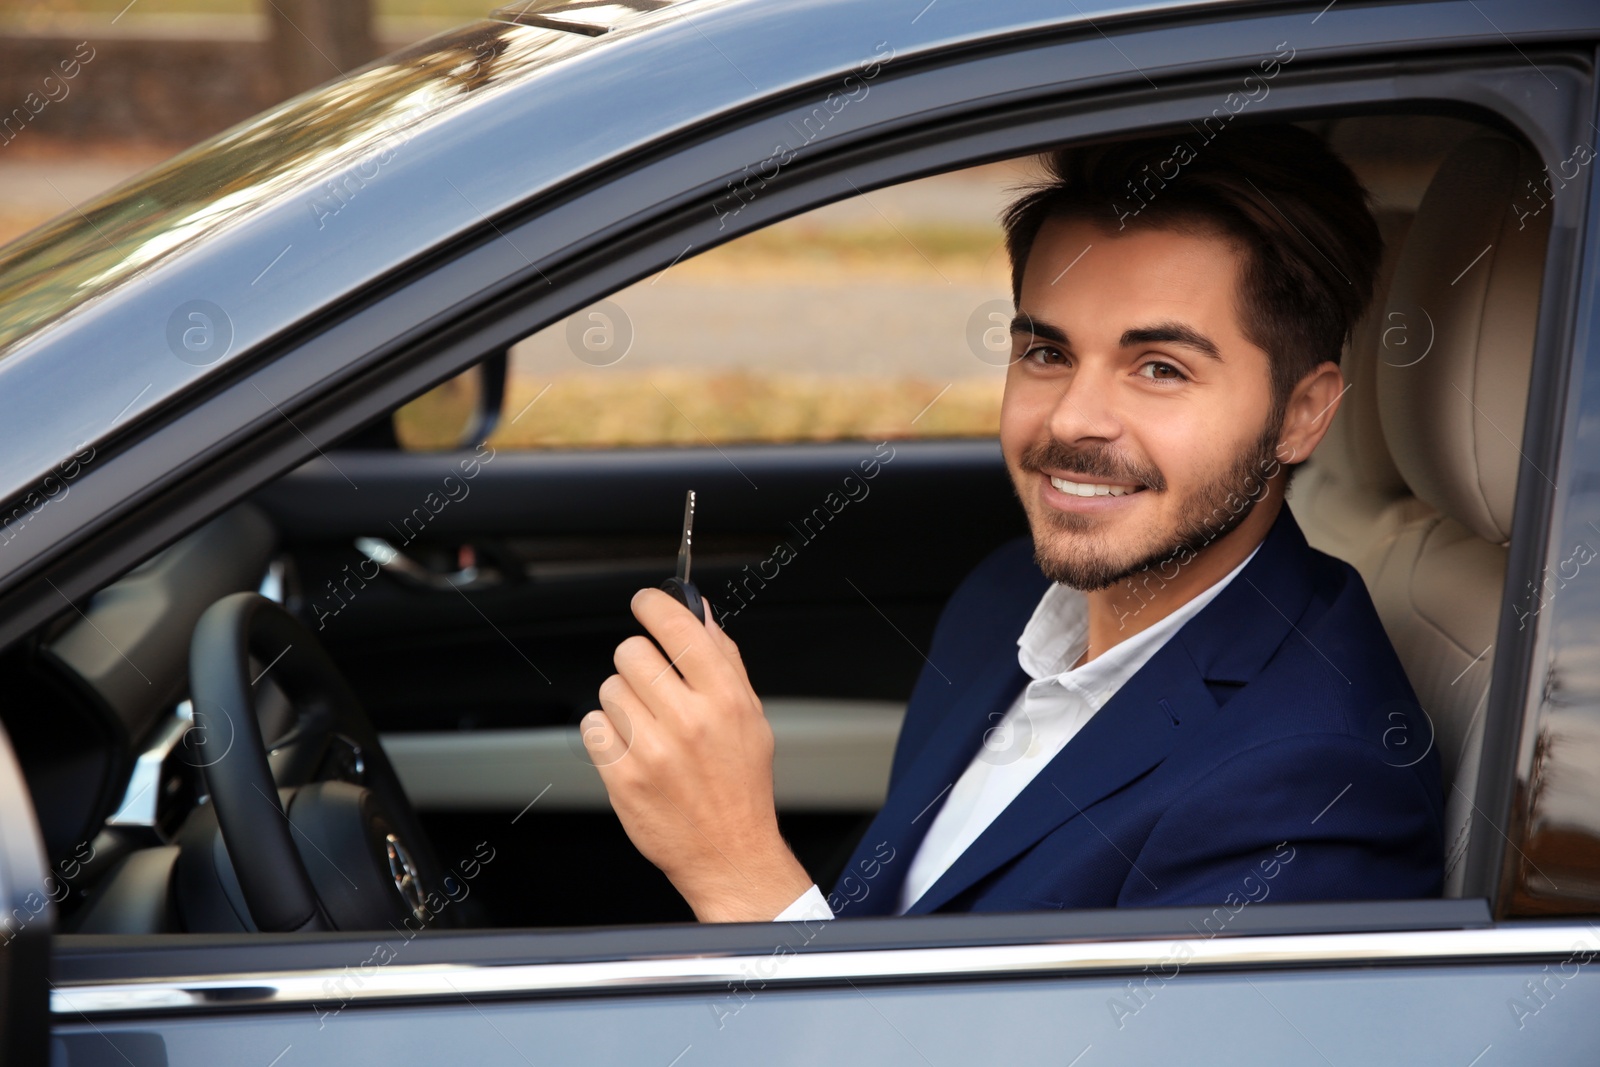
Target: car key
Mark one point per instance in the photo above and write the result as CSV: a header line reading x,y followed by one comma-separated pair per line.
x,y
681,588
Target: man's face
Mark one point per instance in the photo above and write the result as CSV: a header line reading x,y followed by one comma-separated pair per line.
x,y
1130,371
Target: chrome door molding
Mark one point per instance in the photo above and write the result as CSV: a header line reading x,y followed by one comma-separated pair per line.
x,y
330,989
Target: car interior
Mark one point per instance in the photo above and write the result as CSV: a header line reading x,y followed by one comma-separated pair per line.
x,y
469,596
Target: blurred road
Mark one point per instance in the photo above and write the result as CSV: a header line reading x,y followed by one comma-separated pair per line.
x,y
920,260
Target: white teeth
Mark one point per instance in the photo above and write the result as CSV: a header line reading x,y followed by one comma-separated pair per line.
x,y
1090,488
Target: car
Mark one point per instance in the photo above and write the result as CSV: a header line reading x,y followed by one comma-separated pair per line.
x,y
254,503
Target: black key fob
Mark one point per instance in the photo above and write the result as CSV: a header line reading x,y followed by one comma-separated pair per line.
x,y
686,594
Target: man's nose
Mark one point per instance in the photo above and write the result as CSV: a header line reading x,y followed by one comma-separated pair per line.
x,y
1087,406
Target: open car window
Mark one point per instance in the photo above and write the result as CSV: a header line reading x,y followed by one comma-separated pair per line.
x,y
883,315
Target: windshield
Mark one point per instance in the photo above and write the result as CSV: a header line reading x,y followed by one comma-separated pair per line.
x,y
351,126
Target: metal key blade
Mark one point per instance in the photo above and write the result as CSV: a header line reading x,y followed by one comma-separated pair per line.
x,y
686,545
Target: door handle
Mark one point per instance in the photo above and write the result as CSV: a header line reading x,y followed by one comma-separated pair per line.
x,y
468,575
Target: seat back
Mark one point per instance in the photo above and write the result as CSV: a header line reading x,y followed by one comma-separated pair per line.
x,y
1471,272
1449,363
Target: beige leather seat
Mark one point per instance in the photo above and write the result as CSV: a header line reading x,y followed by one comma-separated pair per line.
x,y
1350,496
1451,354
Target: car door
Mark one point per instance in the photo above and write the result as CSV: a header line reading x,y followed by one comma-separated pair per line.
x,y
1418,978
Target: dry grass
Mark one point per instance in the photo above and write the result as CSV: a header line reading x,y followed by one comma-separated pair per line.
x,y
687,408
804,251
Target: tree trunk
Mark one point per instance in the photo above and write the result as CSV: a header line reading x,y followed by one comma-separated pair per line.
x,y
314,41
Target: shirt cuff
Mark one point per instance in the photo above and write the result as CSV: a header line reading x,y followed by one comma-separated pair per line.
x,y
809,905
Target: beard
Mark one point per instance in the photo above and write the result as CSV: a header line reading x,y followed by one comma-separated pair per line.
x,y
1204,516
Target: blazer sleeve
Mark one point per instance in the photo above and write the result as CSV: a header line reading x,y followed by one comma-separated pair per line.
x,y
1312,817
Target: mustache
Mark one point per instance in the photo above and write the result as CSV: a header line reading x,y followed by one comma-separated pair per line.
x,y
1095,462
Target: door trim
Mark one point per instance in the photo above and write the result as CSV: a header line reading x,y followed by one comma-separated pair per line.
x,y
832,755
331,989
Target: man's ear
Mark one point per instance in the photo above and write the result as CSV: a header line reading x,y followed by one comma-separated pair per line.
x,y
1310,412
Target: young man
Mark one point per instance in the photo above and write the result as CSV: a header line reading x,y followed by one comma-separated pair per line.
x,y
1229,693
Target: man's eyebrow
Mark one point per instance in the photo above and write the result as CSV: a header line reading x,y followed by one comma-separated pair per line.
x,y
1175,333
1022,322
1172,333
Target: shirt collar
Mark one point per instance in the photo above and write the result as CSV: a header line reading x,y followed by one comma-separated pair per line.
x,y
1058,631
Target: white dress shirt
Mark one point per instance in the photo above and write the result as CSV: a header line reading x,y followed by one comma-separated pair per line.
x,y
1046,715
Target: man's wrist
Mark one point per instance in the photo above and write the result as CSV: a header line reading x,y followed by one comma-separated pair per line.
x,y
758,890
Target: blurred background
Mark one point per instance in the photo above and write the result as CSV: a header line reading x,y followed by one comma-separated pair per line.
x,y
880,316
93,91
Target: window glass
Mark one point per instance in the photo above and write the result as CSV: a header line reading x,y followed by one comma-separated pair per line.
x,y
880,316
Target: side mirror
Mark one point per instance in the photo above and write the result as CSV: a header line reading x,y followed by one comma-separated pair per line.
x,y
460,412
492,374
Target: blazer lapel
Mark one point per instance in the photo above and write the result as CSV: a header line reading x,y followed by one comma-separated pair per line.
x,y
1234,636
911,805
1127,736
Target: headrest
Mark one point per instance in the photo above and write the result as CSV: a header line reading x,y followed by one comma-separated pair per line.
x,y
1457,340
1353,450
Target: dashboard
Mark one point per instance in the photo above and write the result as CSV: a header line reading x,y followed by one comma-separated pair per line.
x,y
97,710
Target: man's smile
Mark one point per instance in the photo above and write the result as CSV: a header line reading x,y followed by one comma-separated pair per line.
x,y
1086,485
1073,494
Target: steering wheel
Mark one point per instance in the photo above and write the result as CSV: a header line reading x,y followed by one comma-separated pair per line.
x,y
319,832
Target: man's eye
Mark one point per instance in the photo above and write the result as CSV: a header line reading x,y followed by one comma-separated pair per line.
x,y
1044,354
1176,374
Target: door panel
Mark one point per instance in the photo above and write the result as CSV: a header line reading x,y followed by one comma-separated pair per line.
x,y
1453,1014
832,755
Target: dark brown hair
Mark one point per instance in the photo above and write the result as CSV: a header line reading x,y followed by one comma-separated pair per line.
x,y
1311,246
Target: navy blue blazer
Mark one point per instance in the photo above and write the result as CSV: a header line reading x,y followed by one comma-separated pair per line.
x,y
1272,749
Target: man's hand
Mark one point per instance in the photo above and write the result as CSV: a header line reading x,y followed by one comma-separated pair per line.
x,y
686,756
